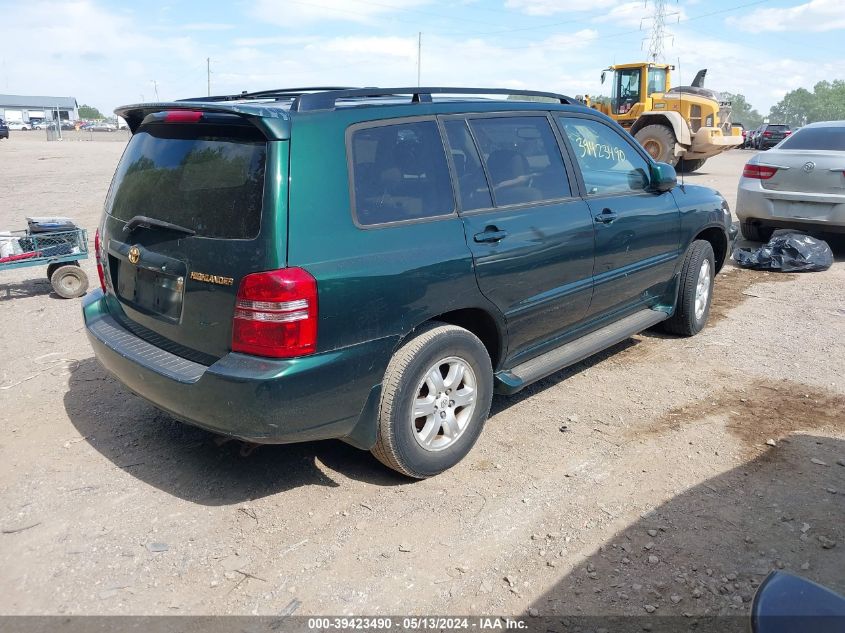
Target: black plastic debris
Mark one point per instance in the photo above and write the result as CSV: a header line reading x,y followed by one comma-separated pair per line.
x,y
788,251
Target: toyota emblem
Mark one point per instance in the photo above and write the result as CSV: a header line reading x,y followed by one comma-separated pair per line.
x,y
809,166
134,254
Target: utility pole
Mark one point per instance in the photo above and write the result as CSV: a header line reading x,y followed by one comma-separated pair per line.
x,y
155,87
208,73
419,57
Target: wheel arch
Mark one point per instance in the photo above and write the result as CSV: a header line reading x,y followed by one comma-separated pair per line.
x,y
489,330
485,323
672,120
718,240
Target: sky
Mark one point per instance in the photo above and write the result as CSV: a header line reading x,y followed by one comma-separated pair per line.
x,y
111,53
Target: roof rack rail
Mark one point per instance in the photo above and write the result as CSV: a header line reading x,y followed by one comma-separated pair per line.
x,y
289,93
327,99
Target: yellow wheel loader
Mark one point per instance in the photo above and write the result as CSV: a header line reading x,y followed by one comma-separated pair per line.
x,y
682,126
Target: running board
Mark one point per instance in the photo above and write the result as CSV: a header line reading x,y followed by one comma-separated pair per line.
x,y
512,380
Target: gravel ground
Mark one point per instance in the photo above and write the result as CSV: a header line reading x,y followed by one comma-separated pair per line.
x,y
664,476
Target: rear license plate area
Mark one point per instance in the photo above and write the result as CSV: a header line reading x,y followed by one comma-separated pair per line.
x,y
803,210
151,291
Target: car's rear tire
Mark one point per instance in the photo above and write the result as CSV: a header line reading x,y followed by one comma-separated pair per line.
x,y
428,424
695,292
659,141
69,281
753,231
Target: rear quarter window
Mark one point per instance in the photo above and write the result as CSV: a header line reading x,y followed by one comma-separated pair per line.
x,y
399,173
209,179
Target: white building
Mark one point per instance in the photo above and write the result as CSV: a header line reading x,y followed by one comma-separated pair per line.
x,y
26,108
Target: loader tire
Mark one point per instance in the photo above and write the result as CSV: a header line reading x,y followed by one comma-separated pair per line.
x,y
659,141
689,166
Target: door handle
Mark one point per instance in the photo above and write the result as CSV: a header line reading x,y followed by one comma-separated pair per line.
x,y
490,234
606,216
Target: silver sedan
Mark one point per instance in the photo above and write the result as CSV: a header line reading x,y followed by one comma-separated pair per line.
x,y
799,183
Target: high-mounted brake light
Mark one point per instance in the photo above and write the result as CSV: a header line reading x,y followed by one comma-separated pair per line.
x,y
100,272
182,116
761,172
276,314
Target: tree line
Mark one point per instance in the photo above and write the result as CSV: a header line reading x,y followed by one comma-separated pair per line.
x,y
825,103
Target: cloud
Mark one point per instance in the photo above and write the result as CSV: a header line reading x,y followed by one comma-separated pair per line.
x,y
97,55
636,15
371,46
744,69
816,15
207,26
569,41
287,13
552,7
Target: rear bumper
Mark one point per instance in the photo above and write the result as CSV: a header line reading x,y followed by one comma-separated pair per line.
x,y
824,212
261,400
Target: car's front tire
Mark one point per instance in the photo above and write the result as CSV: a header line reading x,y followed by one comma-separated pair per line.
x,y
695,292
435,399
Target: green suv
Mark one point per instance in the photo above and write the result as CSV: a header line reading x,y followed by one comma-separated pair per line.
x,y
374,264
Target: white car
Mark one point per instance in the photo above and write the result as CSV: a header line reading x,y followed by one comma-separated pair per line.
x,y
18,125
799,183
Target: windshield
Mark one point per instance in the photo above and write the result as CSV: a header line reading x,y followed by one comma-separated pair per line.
x,y
817,138
206,178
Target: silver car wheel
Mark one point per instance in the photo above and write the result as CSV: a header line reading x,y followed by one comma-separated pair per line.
x,y
444,403
702,289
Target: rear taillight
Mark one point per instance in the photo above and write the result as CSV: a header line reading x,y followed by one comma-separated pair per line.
x,y
100,272
787,133
767,134
276,314
761,172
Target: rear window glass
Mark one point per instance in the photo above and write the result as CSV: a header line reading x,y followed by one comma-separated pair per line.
x,y
206,178
821,138
777,128
399,172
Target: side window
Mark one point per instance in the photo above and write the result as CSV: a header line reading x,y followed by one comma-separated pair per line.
x,y
609,163
522,158
472,184
399,172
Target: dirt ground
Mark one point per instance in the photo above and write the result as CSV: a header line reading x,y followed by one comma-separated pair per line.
x,y
639,481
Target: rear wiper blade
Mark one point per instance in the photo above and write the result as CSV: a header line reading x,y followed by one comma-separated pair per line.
x,y
149,223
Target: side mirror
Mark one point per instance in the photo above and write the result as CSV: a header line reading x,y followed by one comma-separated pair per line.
x,y
663,177
603,75
785,603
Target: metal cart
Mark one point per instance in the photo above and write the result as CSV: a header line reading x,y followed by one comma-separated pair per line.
x,y
60,251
